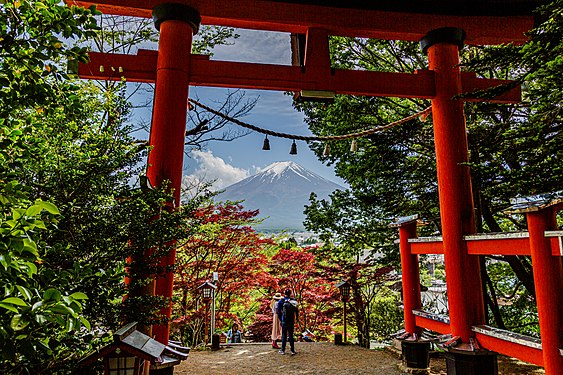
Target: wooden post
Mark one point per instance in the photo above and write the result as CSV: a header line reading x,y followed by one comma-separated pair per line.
x,y
465,298
205,340
410,276
344,338
548,282
176,23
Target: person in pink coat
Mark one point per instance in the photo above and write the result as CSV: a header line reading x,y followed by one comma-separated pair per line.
x,y
276,324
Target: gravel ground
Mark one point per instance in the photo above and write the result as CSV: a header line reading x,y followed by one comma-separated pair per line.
x,y
316,358
311,358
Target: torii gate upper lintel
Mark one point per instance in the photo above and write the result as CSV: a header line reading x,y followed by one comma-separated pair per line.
x,y
491,22
173,68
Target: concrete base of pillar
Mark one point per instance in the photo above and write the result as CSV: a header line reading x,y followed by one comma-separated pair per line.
x,y
471,363
413,371
416,356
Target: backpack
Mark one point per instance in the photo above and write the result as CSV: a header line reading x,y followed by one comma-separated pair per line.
x,y
288,311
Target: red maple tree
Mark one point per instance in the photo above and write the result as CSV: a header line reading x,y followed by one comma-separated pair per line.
x,y
224,243
296,269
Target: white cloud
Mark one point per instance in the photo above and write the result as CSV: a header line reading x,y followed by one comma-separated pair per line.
x,y
213,169
257,47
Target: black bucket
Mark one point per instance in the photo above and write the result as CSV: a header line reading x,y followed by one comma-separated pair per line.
x,y
338,339
471,364
215,341
416,353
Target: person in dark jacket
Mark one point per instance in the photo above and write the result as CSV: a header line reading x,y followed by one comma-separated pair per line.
x,y
288,314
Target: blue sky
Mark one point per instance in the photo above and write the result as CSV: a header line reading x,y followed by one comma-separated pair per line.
x,y
229,162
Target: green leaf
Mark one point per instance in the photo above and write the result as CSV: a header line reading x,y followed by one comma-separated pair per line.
x,y
36,305
17,213
18,322
70,323
85,322
43,346
33,210
48,206
52,295
79,295
5,260
17,244
31,269
9,307
14,301
30,247
39,224
62,309
25,292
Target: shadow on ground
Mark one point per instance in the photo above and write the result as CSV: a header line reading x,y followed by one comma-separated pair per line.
x,y
311,358
316,358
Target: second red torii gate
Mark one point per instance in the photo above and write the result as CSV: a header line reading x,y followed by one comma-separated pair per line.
x,y
542,242
173,68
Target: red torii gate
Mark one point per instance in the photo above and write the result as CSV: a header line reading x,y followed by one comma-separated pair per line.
x,y
440,29
542,241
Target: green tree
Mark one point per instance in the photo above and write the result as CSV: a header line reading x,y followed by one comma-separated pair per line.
x,y
39,308
71,211
515,150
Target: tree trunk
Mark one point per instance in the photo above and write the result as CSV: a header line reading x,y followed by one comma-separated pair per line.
x,y
359,313
520,265
491,300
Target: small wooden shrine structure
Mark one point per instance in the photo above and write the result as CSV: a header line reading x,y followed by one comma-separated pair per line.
x,y
134,353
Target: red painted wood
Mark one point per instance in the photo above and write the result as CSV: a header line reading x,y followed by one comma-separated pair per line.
x,y
454,189
427,248
556,246
548,282
135,68
168,129
203,72
511,349
276,16
506,246
290,78
432,325
410,275
470,83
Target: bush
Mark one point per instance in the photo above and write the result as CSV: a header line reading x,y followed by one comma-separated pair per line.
x,y
386,317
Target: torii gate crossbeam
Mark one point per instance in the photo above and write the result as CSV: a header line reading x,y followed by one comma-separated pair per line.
x,y
344,18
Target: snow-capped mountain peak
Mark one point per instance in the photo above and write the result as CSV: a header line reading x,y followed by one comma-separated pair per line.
x,y
286,170
280,191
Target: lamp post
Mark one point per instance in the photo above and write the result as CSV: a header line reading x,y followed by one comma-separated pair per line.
x,y
215,280
344,288
207,291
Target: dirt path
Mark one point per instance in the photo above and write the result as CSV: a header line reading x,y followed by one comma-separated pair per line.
x,y
316,358
311,358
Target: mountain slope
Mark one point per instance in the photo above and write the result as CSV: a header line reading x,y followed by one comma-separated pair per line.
x,y
280,192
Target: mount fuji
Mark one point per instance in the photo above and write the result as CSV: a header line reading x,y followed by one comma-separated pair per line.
x,y
280,192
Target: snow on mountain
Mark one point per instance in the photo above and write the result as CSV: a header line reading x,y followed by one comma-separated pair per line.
x,y
280,192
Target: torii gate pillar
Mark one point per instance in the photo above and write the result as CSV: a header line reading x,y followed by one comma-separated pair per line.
x,y
454,183
465,298
177,23
548,281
